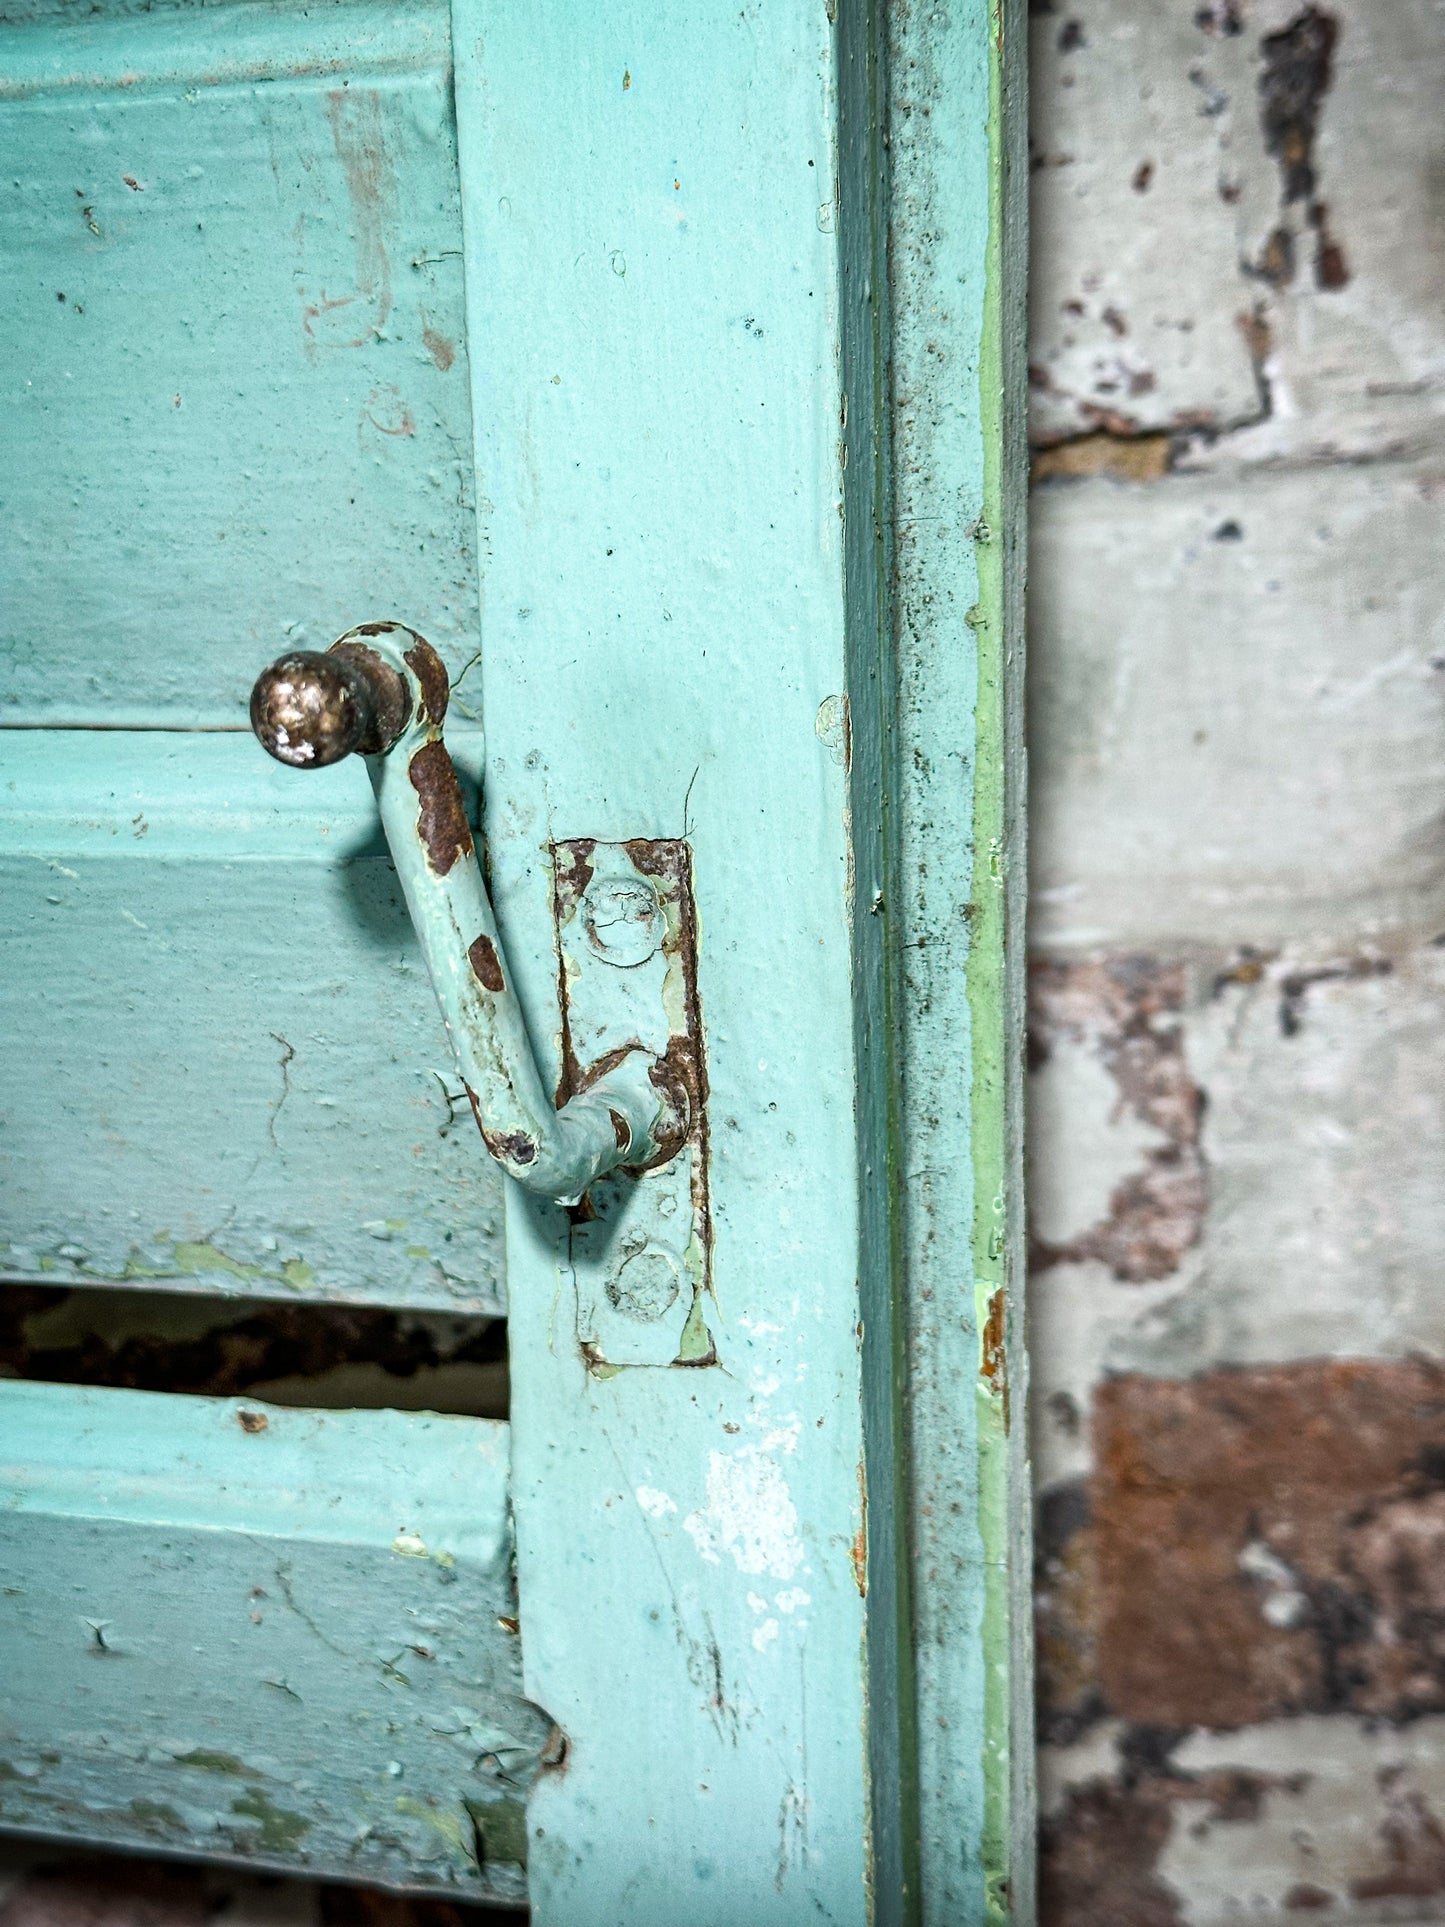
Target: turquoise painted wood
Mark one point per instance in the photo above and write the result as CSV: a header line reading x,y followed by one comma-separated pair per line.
x,y
654,272
261,1634
676,233
664,362
235,406
236,416
242,1060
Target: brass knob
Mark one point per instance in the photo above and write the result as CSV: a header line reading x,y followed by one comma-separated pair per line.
x,y
310,709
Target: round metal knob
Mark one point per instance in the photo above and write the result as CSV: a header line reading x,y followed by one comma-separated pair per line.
x,y
310,709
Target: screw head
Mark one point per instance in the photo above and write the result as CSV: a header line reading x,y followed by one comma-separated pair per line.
x,y
623,920
646,1285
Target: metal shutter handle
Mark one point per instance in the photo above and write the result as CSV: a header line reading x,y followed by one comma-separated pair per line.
x,y
381,691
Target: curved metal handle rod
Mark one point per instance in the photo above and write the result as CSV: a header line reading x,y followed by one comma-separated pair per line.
x,y
382,690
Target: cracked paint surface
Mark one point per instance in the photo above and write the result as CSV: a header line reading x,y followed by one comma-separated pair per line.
x,y
369,1719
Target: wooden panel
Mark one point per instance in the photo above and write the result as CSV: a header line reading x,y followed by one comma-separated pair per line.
x,y
262,1634
236,415
658,418
685,422
221,1064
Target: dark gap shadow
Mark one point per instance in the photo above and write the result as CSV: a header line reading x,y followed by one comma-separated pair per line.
x,y
328,1356
45,1884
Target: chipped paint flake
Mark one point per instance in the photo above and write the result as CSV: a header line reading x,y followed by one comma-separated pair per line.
x,y
749,1514
654,1503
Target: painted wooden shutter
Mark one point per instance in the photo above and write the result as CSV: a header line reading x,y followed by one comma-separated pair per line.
x,y
235,409
734,297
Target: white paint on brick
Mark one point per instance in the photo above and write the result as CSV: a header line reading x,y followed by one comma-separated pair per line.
x,y
1336,1784
1126,318
1350,369
1340,1784
1242,742
1326,1217
1238,737
1084,1140
1083,1323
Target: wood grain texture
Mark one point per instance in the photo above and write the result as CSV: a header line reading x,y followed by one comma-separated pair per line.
x,y
260,1634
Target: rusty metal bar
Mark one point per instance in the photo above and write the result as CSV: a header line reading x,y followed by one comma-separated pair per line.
x,y
382,691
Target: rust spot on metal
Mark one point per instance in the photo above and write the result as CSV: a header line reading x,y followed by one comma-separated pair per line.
x,y
486,964
680,1074
620,1132
510,1147
442,823
683,1066
253,1421
387,705
994,1363
430,671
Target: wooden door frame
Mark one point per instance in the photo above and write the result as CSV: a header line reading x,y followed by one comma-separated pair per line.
x,y
934,143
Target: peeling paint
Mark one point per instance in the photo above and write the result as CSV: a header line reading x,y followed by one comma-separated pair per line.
x,y
1298,67
749,1515
430,672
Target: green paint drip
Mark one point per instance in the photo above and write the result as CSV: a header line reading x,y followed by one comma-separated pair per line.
x,y
447,1821
206,1761
501,1830
206,1257
695,1346
281,1832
